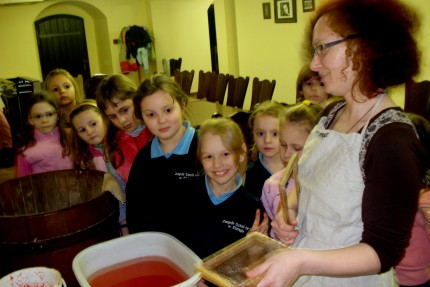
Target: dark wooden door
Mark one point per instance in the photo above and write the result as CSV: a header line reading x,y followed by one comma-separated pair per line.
x,y
62,44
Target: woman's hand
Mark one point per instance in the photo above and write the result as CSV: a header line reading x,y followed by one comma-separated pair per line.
x,y
280,270
284,231
258,226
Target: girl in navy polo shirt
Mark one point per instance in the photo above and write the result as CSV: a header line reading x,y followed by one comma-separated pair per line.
x,y
161,181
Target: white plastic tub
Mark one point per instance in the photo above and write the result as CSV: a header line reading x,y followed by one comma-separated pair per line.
x,y
134,246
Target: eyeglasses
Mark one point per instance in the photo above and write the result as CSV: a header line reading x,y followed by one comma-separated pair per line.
x,y
39,117
321,50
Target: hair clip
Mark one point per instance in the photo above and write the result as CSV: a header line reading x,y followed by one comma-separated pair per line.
x,y
86,102
307,103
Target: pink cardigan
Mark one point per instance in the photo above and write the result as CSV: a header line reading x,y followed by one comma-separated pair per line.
x,y
45,155
414,268
270,195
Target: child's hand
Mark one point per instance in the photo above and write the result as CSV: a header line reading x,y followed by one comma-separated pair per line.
x,y
202,283
284,231
258,226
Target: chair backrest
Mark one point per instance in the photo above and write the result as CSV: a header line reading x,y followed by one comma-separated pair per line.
x,y
184,80
175,65
204,84
80,82
217,88
417,98
237,91
262,91
166,67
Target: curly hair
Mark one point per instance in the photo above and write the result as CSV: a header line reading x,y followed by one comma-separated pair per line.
x,y
114,87
385,53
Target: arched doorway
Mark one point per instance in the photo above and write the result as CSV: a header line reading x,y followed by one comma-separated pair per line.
x,y
62,44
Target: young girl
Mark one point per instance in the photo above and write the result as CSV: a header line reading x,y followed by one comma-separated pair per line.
x,y
224,212
61,85
265,157
126,134
163,174
87,136
310,87
43,144
414,268
295,124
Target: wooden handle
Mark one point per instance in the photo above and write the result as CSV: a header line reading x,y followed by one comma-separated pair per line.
x,y
283,182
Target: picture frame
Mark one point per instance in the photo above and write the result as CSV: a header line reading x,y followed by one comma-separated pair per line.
x,y
266,10
308,5
285,11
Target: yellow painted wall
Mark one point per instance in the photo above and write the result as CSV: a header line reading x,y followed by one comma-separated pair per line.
x,y
103,20
248,45
181,30
273,50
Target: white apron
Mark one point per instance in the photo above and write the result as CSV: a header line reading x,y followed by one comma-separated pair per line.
x,y
330,201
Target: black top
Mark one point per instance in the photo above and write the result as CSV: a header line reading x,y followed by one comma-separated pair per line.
x,y
158,192
393,167
217,226
256,175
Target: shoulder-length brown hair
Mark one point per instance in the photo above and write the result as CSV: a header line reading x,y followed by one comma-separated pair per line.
x,y
121,88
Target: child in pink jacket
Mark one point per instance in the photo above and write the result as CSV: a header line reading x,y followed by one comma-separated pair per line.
x,y
295,124
43,146
414,268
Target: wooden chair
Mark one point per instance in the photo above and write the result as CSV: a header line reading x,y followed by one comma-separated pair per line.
x,y
417,98
217,88
262,91
184,80
237,91
204,84
80,82
175,65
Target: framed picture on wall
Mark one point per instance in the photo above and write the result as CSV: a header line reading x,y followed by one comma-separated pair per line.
x,y
308,5
266,10
285,11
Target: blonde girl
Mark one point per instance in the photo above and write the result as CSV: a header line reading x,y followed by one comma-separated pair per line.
x,y
264,124
225,212
61,85
295,125
88,132
43,145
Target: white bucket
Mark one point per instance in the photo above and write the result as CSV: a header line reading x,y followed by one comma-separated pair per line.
x,y
33,277
135,246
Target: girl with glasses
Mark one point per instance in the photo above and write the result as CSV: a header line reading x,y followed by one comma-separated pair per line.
x,y
43,144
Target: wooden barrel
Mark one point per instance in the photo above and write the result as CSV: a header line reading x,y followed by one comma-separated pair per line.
x,y
47,218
